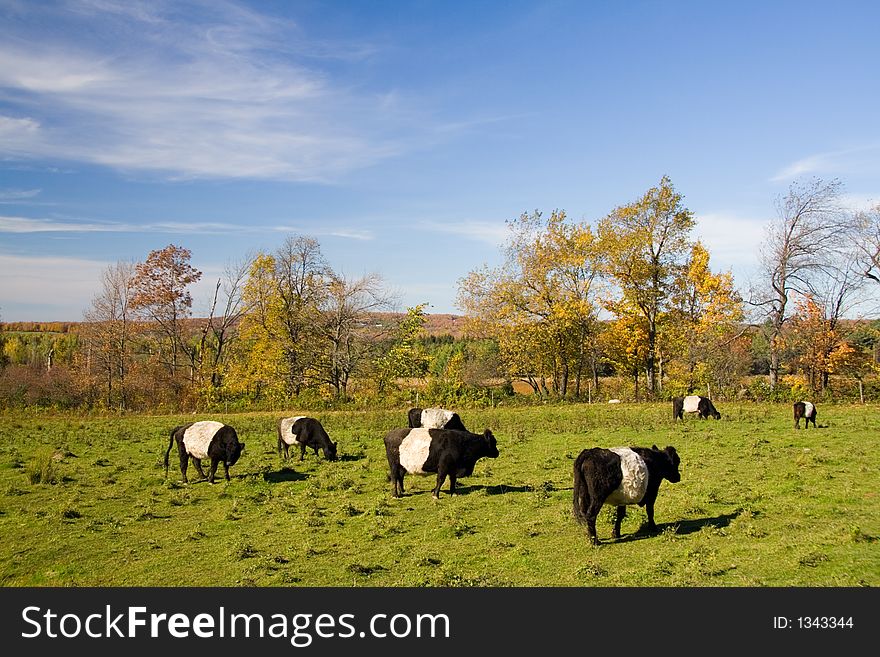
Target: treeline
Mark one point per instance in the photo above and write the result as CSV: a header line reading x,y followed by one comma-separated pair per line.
x,y
626,307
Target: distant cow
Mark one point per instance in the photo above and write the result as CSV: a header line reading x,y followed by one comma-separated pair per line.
x,y
806,410
444,451
702,406
620,476
305,432
434,418
201,440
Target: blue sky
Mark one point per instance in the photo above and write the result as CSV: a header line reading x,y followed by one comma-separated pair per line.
x,y
402,135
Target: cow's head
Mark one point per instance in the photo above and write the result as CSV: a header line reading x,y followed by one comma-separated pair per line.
x,y
234,453
330,451
670,461
493,446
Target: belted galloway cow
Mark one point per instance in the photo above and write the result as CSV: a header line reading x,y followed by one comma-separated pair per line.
x,y
202,440
434,418
307,432
620,476
702,406
806,410
444,451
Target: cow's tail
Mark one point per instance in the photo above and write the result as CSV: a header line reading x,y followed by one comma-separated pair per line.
x,y
168,451
581,492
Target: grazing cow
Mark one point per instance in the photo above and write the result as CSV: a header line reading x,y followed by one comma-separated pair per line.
x,y
305,432
201,440
434,418
619,477
806,410
444,451
702,406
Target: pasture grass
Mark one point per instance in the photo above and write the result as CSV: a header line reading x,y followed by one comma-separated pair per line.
x,y
84,501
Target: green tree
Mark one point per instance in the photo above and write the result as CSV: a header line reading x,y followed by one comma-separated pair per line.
x,y
406,357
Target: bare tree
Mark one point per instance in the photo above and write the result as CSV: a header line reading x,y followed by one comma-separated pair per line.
x,y
109,332
220,330
802,246
869,243
349,302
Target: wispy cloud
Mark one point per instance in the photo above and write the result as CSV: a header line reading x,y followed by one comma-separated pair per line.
x,y
186,90
493,233
61,286
861,159
15,195
24,225
731,239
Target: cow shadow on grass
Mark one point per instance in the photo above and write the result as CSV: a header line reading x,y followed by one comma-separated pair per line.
x,y
681,527
348,458
497,489
284,474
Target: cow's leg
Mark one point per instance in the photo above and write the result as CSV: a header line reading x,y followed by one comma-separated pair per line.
x,y
452,483
184,463
621,514
286,451
441,477
316,450
302,452
592,514
649,509
397,480
280,443
214,463
226,470
198,464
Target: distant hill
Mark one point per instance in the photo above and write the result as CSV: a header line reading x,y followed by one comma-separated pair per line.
x,y
436,324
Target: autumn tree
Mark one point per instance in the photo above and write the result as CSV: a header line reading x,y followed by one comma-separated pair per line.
x,y
802,245
704,311
645,245
285,295
109,332
161,295
540,304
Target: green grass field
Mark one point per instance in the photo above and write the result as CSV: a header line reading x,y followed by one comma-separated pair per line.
x,y
84,502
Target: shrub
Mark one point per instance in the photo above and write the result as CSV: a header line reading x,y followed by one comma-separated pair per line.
x,y
42,468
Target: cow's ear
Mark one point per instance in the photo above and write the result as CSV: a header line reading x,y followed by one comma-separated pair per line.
x,y
655,448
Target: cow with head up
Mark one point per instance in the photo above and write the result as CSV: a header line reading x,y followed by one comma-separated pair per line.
x,y
702,406
434,418
442,451
307,432
806,410
619,477
202,440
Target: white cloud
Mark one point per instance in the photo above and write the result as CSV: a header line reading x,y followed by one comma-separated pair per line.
x,y
493,233
63,287
861,160
733,241
211,90
13,195
24,225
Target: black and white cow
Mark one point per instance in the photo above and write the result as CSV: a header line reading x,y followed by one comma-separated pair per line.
x,y
434,418
702,406
305,432
806,410
423,451
203,440
619,477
